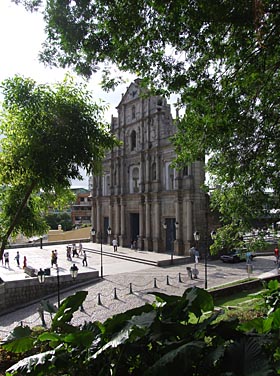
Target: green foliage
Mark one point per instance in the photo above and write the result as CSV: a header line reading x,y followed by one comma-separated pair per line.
x,y
19,340
227,238
49,134
174,334
220,57
63,219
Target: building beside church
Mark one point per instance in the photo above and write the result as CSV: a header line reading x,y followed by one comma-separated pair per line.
x,y
142,198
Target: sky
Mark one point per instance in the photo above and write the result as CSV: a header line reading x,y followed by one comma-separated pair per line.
x,y
21,36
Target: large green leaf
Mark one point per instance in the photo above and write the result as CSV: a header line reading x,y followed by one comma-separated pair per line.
x,y
183,360
247,358
137,324
259,325
19,340
115,323
65,312
48,307
199,300
35,365
82,338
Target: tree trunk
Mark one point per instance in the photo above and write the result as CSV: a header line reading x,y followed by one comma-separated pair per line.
x,y
17,216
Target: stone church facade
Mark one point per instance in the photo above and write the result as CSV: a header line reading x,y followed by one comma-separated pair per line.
x,y
140,195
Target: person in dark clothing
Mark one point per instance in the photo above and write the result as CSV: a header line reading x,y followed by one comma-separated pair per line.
x,y
85,258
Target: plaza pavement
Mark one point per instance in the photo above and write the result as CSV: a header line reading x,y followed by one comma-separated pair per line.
x,y
125,285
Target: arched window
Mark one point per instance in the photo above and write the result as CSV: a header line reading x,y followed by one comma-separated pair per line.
x,y
133,140
133,112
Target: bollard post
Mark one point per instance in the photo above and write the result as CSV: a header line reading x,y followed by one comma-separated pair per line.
x,y
167,280
99,299
180,279
115,293
130,288
155,283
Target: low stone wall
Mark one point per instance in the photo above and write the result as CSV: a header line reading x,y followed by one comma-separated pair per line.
x,y
14,294
250,285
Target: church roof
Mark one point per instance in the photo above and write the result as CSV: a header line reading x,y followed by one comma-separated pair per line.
x,y
131,93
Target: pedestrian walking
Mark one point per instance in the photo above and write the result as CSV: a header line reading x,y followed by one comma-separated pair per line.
x,y
17,258
115,245
53,259
24,262
74,250
276,254
248,257
196,256
80,248
6,258
68,253
85,259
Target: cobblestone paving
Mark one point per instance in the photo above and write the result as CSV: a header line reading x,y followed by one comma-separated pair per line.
x,y
119,292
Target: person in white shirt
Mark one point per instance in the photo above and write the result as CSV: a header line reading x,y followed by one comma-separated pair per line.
x,y
115,245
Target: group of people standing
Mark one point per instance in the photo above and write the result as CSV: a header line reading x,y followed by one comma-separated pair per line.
x,y
6,260
76,252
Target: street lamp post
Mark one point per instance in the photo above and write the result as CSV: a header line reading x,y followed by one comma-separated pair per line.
x,y
93,232
196,238
41,278
58,286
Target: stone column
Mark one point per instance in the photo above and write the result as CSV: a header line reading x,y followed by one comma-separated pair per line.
x,y
117,217
156,225
147,241
141,224
189,225
178,241
123,230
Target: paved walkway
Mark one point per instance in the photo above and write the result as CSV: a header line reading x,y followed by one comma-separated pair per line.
x,y
125,284
41,258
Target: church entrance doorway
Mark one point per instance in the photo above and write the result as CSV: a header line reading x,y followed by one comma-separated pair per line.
x,y
170,234
134,228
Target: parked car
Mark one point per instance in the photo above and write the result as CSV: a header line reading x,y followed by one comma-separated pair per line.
x,y
236,255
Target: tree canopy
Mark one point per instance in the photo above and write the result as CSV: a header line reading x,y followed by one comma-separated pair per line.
x,y
221,57
49,133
